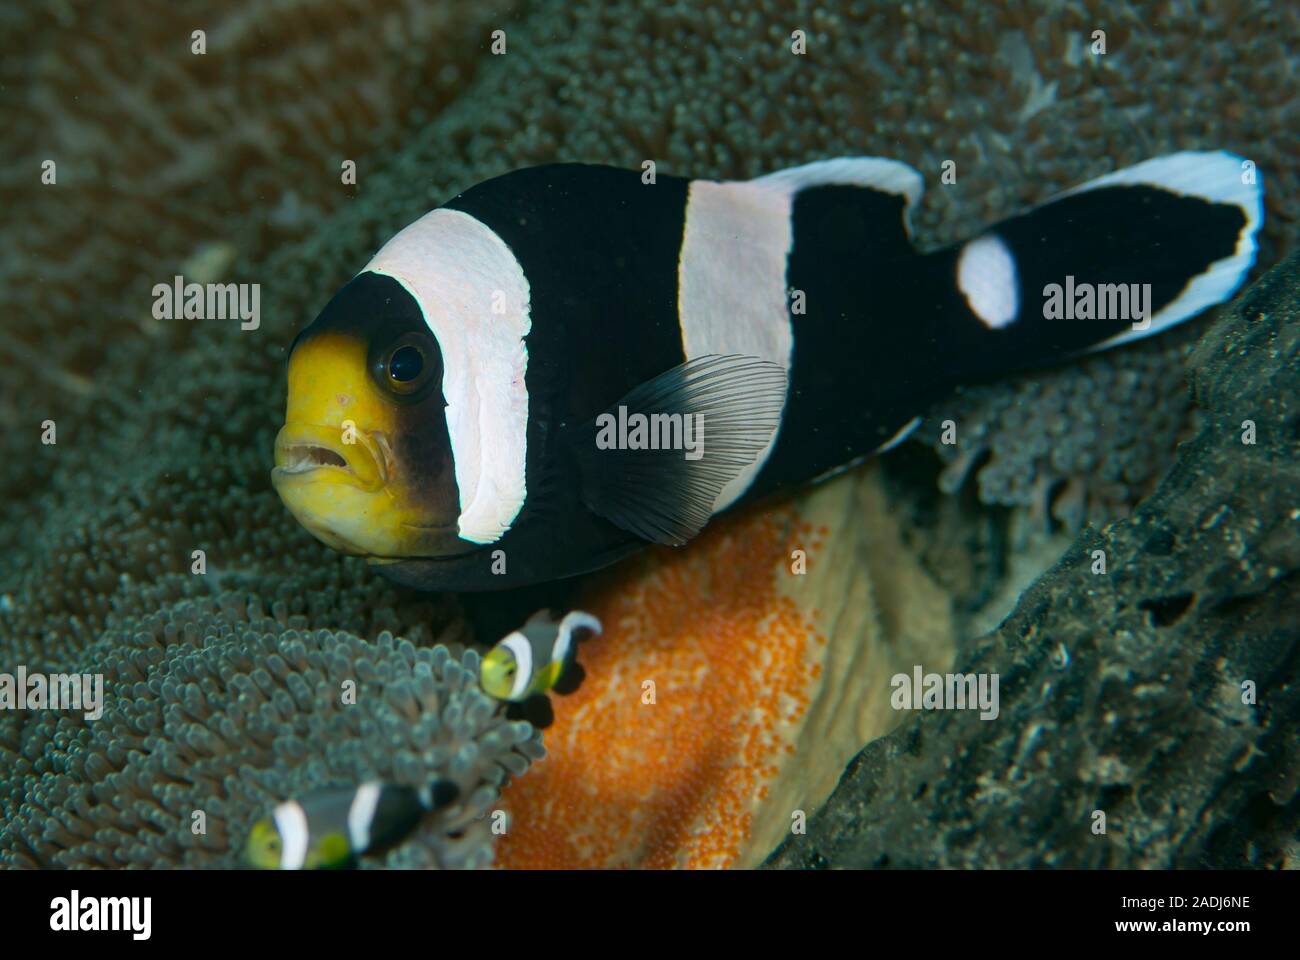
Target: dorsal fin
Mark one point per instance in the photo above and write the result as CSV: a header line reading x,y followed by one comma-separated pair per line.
x,y
875,175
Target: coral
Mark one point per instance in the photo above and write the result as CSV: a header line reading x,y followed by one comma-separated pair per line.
x,y
1088,440
165,427
173,154
228,710
701,89
733,682
1160,692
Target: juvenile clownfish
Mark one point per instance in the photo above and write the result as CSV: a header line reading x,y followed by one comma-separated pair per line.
x,y
539,657
565,363
332,827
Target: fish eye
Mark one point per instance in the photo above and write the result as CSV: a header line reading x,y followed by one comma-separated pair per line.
x,y
405,364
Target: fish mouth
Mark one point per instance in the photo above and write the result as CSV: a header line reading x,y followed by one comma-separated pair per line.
x,y
312,453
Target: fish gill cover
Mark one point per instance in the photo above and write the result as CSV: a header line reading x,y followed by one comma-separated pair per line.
x,y
277,145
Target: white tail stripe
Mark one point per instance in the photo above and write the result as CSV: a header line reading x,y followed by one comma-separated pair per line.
x,y
986,276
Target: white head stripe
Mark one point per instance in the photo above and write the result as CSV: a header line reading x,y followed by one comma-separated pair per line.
x,y
475,299
522,650
986,276
731,282
574,620
291,824
361,815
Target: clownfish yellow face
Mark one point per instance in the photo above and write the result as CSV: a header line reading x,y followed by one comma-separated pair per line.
x,y
309,848
406,432
363,460
499,673
264,848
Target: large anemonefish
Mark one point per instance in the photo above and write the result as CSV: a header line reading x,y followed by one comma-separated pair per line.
x,y
565,363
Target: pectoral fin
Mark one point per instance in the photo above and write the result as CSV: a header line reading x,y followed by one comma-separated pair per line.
x,y
655,462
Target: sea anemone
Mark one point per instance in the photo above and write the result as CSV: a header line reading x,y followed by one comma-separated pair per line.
x,y
215,713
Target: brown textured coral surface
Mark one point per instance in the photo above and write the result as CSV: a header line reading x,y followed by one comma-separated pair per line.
x,y
162,153
1085,442
229,164
1149,710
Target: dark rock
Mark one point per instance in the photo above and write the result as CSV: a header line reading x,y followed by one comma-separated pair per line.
x,y
1123,692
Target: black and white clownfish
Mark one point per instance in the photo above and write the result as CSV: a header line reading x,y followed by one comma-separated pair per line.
x,y
539,657
488,402
332,827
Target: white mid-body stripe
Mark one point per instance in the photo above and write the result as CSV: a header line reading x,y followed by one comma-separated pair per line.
x,y
475,299
731,285
361,815
522,650
732,293
291,824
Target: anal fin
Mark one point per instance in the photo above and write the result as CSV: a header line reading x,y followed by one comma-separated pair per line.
x,y
536,710
570,679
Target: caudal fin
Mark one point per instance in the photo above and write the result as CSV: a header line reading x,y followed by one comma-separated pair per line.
x,y
1118,258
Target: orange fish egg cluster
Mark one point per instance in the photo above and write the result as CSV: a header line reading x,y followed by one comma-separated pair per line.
x,y
688,709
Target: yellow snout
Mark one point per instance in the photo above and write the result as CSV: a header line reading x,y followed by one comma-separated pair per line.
x,y
334,463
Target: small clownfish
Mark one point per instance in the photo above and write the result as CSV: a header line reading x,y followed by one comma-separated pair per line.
x,y
566,363
539,657
332,827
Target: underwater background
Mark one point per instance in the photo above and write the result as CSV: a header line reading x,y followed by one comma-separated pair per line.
x,y
1121,692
